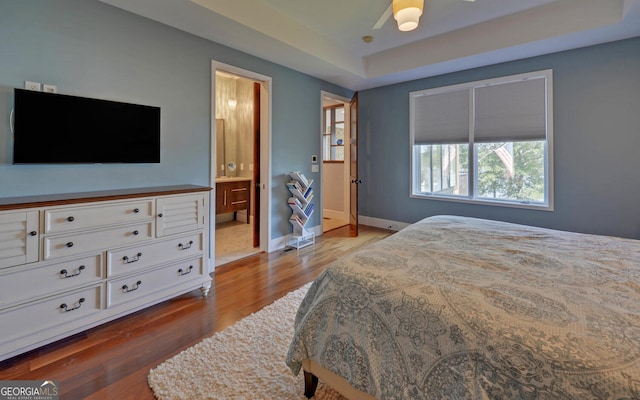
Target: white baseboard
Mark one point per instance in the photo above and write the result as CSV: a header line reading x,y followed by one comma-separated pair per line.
x,y
326,213
382,223
281,242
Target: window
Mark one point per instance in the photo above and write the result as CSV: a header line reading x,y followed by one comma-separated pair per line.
x,y
333,134
488,141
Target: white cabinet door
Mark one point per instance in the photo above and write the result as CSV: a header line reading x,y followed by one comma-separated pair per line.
x,y
177,214
18,238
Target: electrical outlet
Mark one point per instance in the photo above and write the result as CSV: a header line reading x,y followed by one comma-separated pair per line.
x,y
49,88
32,85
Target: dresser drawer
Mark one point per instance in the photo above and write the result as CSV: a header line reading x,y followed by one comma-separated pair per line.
x,y
68,245
131,259
28,282
48,317
155,281
77,218
237,194
238,198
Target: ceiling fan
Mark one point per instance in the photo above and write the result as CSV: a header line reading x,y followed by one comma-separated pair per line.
x,y
406,12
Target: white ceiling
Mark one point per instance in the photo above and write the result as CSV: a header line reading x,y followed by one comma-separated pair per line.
x,y
324,38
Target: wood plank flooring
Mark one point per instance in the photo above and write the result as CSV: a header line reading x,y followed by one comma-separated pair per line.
x,y
112,361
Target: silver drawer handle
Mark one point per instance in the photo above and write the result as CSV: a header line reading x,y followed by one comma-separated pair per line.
x,y
66,273
238,202
185,247
239,190
64,306
134,259
126,289
182,272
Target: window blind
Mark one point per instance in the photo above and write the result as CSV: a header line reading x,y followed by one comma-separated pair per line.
x,y
510,112
441,117
503,112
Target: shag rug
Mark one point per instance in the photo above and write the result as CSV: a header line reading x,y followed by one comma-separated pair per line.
x,y
243,361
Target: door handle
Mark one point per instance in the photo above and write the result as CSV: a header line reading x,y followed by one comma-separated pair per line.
x,y
356,181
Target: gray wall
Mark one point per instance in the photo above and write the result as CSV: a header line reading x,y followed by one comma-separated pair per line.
x,y
596,139
88,48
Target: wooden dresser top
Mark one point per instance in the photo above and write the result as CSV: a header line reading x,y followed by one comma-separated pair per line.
x,y
14,203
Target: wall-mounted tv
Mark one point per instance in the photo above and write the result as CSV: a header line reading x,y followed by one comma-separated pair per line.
x,y
51,128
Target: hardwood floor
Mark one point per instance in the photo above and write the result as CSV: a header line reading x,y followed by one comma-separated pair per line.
x,y
112,361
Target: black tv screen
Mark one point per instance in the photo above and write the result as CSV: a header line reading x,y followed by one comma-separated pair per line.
x,y
52,128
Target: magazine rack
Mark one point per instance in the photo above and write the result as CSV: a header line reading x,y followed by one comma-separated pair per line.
x,y
300,202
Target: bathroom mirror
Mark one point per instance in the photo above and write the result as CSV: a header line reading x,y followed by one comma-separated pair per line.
x,y
220,160
234,125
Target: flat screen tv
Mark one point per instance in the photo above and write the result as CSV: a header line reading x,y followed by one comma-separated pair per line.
x,y
51,128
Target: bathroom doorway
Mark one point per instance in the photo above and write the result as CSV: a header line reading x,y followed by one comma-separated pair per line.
x,y
335,161
237,167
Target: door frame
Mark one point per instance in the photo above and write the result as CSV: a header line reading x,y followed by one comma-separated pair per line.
x,y
354,179
265,154
347,154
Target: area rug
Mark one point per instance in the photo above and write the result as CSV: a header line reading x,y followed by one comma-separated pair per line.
x,y
243,361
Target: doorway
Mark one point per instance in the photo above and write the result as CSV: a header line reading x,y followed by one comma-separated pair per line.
x,y
335,133
239,160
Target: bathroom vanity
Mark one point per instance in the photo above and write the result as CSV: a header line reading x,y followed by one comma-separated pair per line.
x,y
233,194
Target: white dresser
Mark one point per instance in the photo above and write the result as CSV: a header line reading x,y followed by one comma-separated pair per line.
x,y
71,262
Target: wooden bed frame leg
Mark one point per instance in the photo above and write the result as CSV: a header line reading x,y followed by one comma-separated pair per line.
x,y
310,384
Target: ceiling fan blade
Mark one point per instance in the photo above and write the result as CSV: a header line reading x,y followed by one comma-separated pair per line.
x,y
385,16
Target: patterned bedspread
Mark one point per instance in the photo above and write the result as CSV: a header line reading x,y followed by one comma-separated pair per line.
x,y
463,308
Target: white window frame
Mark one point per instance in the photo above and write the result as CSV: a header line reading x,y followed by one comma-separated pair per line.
x,y
547,204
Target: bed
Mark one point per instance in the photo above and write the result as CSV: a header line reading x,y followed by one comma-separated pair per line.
x,y
463,308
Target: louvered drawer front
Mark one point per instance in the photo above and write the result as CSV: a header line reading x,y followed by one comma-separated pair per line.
x,y
81,242
18,238
138,257
24,283
77,218
50,316
146,284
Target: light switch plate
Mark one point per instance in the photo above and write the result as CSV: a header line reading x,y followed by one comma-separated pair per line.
x,y
315,168
32,85
49,88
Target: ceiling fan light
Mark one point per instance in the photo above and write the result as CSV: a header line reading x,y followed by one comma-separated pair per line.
x,y
407,13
